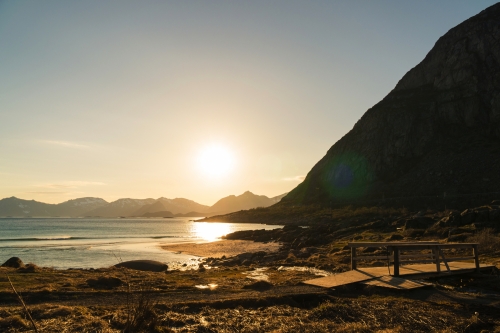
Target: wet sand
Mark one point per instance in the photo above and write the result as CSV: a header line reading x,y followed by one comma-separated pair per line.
x,y
221,248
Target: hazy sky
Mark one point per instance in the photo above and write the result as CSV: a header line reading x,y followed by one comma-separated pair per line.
x,y
118,99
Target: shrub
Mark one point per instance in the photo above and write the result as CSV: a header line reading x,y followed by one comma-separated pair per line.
x,y
487,240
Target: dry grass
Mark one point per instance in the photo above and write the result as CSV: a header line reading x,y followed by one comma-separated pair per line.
x,y
488,241
345,314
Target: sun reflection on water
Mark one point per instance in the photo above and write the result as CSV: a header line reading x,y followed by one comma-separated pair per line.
x,y
210,231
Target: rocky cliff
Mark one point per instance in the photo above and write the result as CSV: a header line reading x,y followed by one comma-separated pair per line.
x,y
436,133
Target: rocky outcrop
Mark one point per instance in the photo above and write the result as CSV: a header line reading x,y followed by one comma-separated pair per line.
x,y
13,262
436,133
143,265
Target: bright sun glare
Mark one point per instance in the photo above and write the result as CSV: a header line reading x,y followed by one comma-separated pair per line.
x,y
210,231
215,161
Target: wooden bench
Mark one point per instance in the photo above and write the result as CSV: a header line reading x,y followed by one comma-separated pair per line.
x,y
394,255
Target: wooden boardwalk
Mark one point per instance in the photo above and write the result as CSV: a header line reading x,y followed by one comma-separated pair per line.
x,y
382,276
396,283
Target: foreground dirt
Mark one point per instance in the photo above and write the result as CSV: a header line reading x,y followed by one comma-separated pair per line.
x,y
230,299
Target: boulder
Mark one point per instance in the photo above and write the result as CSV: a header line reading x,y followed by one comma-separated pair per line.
x,y
459,238
495,215
468,216
28,268
420,222
144,265
394,237
482,214
245,256
13,262
105,282
259,285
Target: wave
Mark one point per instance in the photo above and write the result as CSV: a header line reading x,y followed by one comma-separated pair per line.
x,y
45,238
63,238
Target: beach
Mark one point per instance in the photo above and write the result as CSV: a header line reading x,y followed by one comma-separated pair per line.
x,y
220,248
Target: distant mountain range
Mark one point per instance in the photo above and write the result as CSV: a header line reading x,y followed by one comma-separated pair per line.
x,y
162,207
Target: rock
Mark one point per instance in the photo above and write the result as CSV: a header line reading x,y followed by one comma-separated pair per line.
x,y
395,237
144,265
105,282
259,285
201,268
246,262
245,256
29,268
468,217
459,237
418,223
13,262
495,215
482,214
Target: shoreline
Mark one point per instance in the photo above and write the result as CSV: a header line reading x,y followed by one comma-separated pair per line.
x,y
220,248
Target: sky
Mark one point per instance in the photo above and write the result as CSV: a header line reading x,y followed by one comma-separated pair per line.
x,y
195,99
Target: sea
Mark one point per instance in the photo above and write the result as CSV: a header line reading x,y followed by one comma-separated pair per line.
x,y
63,243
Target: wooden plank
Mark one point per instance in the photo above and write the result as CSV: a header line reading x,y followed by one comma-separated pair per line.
x,y
369,273
371,257
423,268
346,278
414,261
383,244
444,259
416,255
457,245
396,283
412,247
458,259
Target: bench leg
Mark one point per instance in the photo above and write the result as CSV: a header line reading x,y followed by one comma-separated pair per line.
x,y
353,258
476,257
396,262
435,253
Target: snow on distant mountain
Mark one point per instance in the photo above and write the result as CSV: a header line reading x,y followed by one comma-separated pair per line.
x,y
90,206
78,207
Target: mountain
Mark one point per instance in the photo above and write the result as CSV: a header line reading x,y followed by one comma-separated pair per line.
x,y
278,198
436,133
78,207
120,207
89,206
175,206
18,207
191,214
244,201
182,206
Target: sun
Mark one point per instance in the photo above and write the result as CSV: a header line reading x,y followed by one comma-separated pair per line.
x,y
215,161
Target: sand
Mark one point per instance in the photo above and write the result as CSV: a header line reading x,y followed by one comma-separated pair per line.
x,y
221,248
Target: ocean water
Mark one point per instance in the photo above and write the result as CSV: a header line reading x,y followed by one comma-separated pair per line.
x,y
64,243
